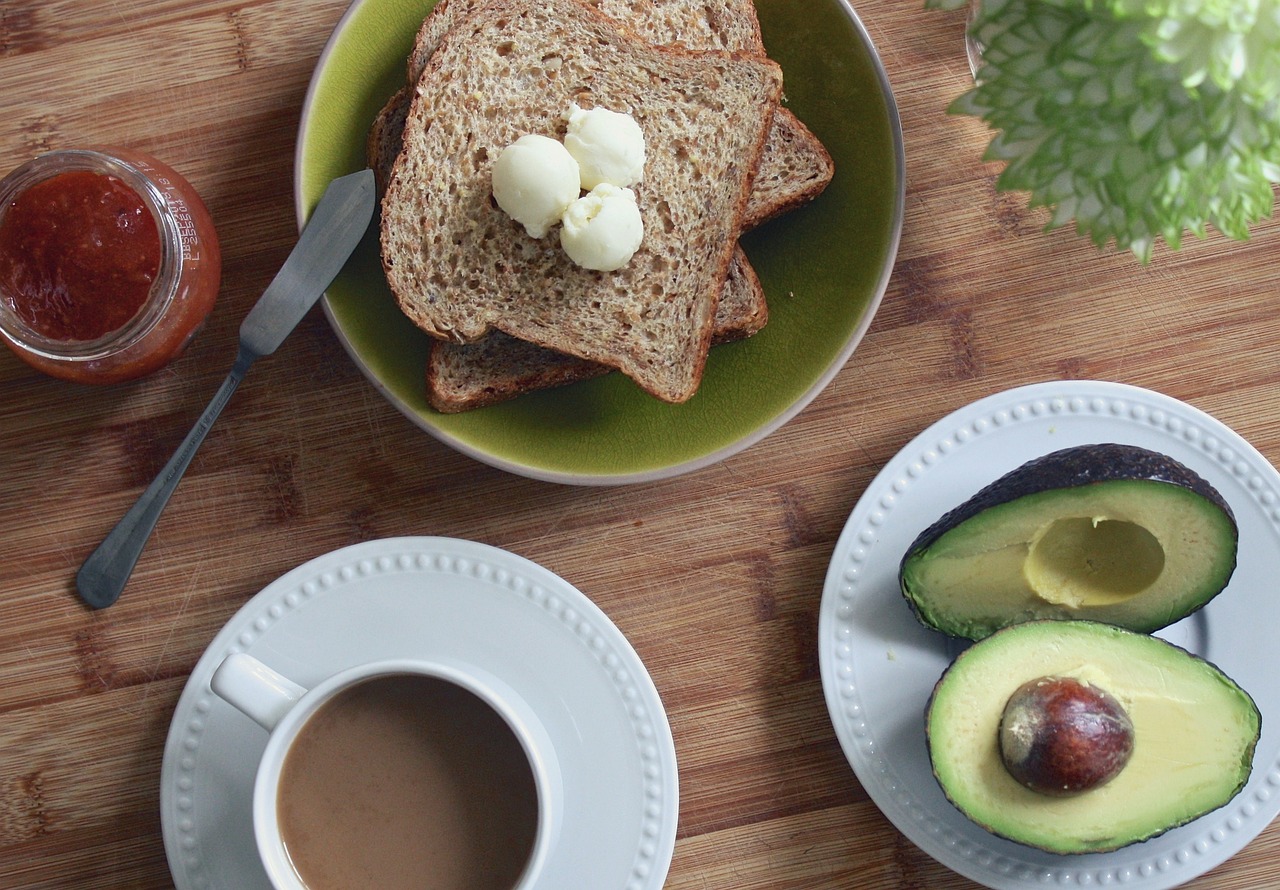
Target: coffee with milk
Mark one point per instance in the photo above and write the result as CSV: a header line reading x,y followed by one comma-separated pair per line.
x,y
407,781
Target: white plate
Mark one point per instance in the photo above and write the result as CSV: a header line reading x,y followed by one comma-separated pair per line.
x,y
879,664
419,597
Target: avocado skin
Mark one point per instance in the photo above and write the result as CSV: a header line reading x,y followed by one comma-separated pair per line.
x,y
1073,467
1103,635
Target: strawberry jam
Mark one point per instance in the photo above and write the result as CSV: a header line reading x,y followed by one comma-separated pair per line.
x,y
109,264
79,254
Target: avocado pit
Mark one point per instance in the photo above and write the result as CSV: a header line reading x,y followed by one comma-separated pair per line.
x,y
1061,737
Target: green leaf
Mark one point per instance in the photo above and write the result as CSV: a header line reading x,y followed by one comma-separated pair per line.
x,y
1139,119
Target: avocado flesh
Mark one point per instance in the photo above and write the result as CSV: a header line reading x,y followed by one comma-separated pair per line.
x,y
1106,544
1195,732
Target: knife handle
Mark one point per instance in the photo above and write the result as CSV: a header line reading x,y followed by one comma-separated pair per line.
x,y
103,575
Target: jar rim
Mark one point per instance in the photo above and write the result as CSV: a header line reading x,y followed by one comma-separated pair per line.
x,y
164,289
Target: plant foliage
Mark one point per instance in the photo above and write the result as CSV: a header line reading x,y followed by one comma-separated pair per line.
x,y
1139,119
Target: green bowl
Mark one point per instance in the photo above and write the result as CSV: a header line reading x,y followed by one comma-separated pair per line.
x,y
824,268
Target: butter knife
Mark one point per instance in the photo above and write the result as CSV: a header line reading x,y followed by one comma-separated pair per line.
x,y
328,240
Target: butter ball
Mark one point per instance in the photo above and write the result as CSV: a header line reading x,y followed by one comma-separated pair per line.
x,y
534,180
602,230
608,146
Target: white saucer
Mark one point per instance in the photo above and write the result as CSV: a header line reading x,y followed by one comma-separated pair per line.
x,y
418,597
879,664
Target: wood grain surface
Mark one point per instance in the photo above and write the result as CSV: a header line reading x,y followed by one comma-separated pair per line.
x,y
715,577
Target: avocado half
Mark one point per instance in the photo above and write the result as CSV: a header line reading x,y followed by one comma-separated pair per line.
x,y
1194,734
1107,532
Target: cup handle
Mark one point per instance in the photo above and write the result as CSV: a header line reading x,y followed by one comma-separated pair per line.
x,y
255,689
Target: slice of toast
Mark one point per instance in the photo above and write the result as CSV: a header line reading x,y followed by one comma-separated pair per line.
x,y
459,267
497,367
795,167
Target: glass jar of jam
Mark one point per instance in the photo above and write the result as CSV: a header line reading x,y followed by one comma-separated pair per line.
x,y
109,264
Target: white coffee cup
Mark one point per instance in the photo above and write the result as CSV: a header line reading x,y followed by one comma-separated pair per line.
x,y
283,708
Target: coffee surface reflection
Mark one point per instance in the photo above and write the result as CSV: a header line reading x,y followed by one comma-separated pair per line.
x,y
406,781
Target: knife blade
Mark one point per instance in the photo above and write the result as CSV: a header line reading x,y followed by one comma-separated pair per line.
x,y
330,236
